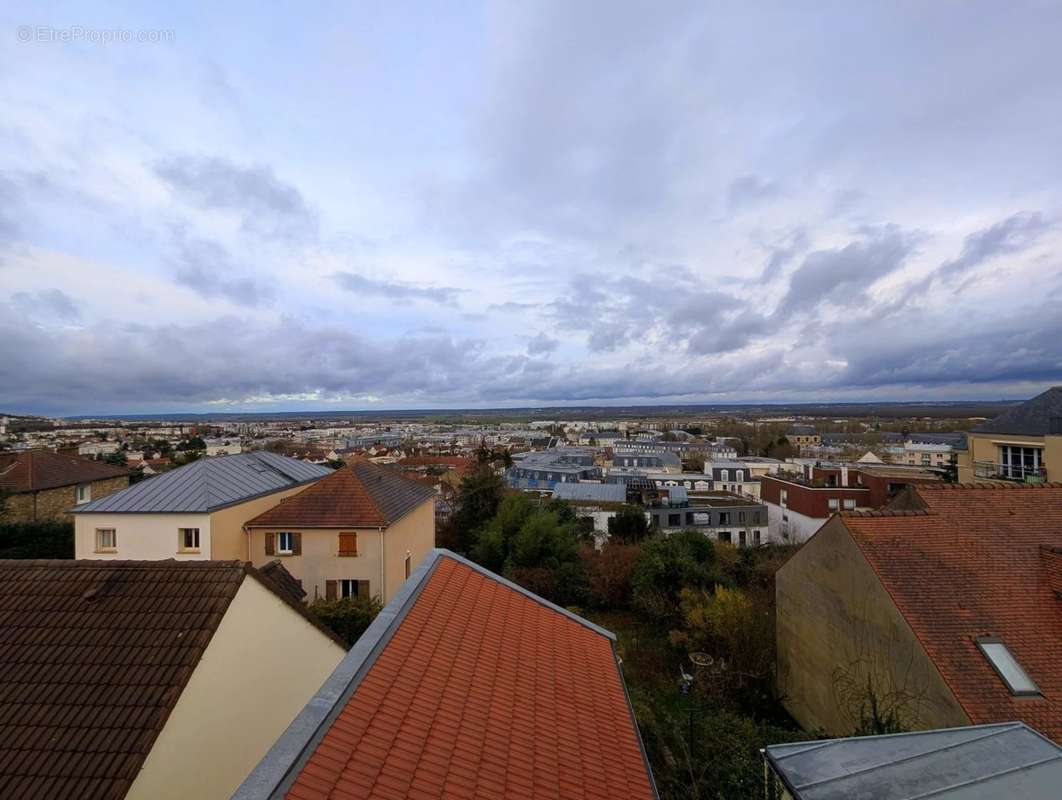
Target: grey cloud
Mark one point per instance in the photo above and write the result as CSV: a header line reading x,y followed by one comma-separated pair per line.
x,y
749,190
47,305
394,290
266,205
782,253
206,268
542,344
1012,235
842,275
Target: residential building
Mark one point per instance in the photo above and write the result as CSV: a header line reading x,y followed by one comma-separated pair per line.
x,y
465,685
659,460
361,531
724,518
803,436
597,502
944,608
156,680
194,512
1023,444
43,485
978,762
732,475
542,470
799,502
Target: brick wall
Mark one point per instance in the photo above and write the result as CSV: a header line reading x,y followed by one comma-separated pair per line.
x,y
54,503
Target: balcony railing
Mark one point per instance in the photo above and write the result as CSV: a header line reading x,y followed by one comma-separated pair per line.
x,y
991,471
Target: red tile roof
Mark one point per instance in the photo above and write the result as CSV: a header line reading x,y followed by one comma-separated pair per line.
x,y
974,563
34,470
359,495
485,691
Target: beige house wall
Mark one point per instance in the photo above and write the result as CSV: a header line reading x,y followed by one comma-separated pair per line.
x,y
837,628
148,537
380,559
245,691
984,447
226,525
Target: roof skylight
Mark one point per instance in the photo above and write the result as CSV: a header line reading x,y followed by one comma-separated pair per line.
x,y
1007,666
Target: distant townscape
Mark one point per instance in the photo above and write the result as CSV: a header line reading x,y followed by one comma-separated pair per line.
x,y
656,606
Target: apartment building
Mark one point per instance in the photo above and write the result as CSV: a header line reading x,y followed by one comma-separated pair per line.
x,y
723,518
195,512
359,532
542,470
1023,444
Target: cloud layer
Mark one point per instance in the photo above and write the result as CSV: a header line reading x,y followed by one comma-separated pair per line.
x,y
516,204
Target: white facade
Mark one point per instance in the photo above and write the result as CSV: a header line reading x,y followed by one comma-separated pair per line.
x,y
786,526
140,537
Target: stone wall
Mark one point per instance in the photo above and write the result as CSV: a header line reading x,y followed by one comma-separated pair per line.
x,y
55,503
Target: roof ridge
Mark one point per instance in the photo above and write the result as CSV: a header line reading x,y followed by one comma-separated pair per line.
x,y
970,485
888,512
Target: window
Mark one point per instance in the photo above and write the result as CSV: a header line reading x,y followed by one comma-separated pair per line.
x,y
833,504
285,543
784,496
351,588
741,518
849,505
755,517
84,493
348,543
1018,462
741,538
674,520
188,540
724,518
724,536
739,476
1008,668
409,565
756,538
106,540
724,474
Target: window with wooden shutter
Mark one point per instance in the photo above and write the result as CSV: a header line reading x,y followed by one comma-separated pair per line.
x,y
330,590
296,544
348,544
363,589
271,547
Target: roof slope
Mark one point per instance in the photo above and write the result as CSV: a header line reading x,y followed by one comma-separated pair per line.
x,y
972,763
466,685
1031,418
208,484
34,470
361,495
972,564
93,656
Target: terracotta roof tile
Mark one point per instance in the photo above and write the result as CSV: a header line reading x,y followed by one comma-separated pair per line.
x,y
482,691
34,470
982,560
361,495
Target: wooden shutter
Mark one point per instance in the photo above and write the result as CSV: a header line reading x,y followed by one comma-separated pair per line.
x,y
296,544
330,590
271,547
363,589
348,544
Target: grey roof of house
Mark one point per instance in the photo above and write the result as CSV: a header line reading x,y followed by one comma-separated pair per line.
x,y
600,492
978,762
1032,418
209,484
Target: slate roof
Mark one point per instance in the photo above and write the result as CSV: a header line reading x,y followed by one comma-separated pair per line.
x,y
93,657
209,484
981,762
977,560
360,495
1032,418
595,492
465,685
34,470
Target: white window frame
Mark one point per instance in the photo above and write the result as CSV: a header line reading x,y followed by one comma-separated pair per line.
x,y
84,493
849,504
285,551
113,547
1007,666
724,474
182,546
833,504
347,587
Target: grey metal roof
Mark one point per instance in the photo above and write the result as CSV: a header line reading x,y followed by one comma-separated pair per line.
x,y
600,492
978,762
209,484
1032,418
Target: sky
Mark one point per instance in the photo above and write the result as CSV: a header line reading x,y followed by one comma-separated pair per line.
x,y
254,207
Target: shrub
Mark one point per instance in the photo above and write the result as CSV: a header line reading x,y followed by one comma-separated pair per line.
x,y
349,617
45,539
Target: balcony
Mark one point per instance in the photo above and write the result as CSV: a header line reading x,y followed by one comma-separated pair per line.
x,y
991,471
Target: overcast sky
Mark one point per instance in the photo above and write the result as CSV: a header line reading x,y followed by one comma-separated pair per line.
x,y
386,205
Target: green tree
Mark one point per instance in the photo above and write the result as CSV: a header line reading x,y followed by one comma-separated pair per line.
x,y
477,500
349,617
669,564
628,526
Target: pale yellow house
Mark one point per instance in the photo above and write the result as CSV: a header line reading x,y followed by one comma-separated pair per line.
x,y
1023,444
192,513
360,532
149,680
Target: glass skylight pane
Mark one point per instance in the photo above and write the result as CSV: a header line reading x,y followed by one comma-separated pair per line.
x,y
1008,667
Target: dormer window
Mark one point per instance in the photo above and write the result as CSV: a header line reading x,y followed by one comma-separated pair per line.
x,y
1007,666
